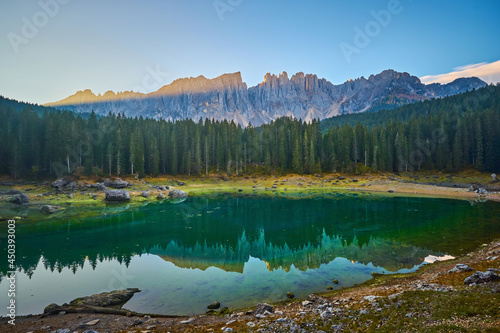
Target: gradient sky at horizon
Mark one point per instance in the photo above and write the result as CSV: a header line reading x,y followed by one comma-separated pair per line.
x,y
114,45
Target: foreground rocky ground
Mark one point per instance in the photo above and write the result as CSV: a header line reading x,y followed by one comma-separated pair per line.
x,y
434,299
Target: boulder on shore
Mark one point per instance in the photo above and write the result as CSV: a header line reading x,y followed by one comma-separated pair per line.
x,y
20,199
461,268
117,195
177,194
262,308
59,183
481,277
115,183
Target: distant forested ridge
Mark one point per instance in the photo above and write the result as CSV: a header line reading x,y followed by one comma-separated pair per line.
x,y
452,134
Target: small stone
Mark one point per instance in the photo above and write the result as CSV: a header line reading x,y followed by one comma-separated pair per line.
x,y
145,194
93,322
329,288
336,281
250,324
290,295
137,321
370,298
190,320
305,303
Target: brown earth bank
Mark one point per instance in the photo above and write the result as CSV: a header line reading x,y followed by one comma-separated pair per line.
x,y
433,299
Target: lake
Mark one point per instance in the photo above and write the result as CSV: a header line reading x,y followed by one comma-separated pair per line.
x,y
239,250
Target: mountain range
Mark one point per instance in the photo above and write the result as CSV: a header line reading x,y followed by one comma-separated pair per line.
x,y
302,96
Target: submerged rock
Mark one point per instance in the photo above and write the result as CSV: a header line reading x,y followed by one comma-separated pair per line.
x,y
49,209
290,295
117,195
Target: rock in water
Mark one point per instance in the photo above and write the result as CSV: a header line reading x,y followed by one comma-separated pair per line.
x,y
177,194
112,298
214,305
481,277
20,199
290,295
48,209
117,195
115,183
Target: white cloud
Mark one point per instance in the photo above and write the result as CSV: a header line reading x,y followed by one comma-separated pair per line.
x,y
488,72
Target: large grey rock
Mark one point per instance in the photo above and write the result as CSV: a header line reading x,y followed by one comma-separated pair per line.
x,y
481,277
59,183
113,298
302,96
20,199
115,183
262,308
117,195
460,268
177,194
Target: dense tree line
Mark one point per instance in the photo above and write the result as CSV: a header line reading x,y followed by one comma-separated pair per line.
x,y
449,134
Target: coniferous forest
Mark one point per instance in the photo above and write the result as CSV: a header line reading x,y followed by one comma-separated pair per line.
x,y
450,134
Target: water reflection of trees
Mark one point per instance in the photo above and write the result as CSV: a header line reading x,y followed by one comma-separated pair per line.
x,y
393,233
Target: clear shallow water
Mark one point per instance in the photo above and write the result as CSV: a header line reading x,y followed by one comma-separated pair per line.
x,y
238,250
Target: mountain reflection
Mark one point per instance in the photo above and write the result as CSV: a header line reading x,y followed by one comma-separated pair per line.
x,y
225,231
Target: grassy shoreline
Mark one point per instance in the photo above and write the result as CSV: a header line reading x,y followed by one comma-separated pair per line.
x,y
414,185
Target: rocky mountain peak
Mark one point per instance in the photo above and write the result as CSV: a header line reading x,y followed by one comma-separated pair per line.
x,y
303,96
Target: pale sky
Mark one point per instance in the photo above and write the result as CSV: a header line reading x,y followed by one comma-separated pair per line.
x,y
52,48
